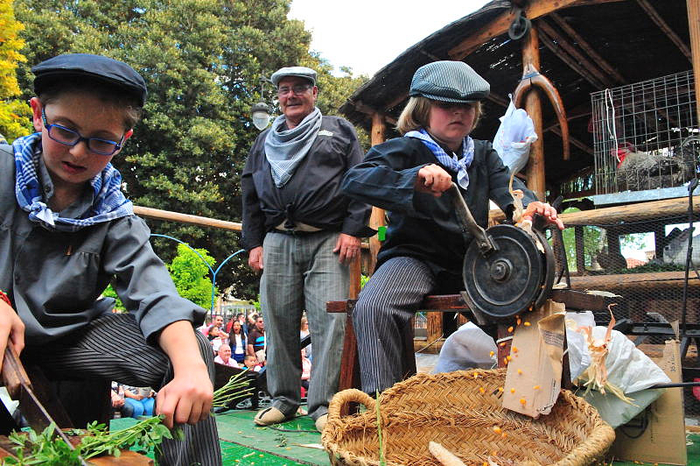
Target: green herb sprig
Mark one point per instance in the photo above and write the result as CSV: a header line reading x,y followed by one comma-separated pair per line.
x,y
236,387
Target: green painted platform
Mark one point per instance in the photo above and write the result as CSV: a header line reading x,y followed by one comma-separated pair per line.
x,y
294,443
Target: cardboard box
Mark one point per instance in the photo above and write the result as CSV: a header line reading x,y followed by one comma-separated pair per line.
x,y
533,377
663,439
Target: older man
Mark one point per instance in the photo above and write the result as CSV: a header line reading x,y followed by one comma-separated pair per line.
x,y
224,357
302,233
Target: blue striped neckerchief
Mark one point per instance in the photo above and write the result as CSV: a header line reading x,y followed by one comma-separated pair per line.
x,y
457,164
109,201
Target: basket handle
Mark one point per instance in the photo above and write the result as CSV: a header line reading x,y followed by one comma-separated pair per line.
x,y
335,409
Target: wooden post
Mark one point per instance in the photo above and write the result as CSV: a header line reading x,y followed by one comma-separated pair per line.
x,y
694,27
533,107
377,218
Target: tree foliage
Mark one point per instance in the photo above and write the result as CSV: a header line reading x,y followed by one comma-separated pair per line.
x,y
14,113
202,61
191,275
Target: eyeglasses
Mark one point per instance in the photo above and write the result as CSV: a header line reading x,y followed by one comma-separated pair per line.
x,y
69,137
297,90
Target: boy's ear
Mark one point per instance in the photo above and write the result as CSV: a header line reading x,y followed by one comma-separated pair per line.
x,y
36,113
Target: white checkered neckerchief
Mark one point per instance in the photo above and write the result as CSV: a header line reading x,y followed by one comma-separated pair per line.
x,y
455,163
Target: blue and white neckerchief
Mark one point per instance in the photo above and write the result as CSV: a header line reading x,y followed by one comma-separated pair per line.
x,y
457,164
109,201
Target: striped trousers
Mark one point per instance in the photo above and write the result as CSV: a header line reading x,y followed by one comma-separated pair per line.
x,y
383,313
112,347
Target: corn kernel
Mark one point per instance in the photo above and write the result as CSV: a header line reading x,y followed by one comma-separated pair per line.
x,y
509,358
497,429
522,401
512,390
500,389
514,349
536,387
502,344
503,435
510,329
505,361
491,354
481,389
527,324
520,371
484,464
476,376
518,321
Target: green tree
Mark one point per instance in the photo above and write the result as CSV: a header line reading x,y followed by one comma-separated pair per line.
x,y
202,61
14,114
191,275
591,244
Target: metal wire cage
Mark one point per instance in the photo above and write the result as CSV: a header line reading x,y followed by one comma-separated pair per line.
x,y
645,135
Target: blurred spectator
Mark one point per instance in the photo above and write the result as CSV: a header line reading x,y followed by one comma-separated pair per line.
x,y
251,363
217,337
140,399
251,321
305,371
237,341
118,403
224,356
303,332
256,340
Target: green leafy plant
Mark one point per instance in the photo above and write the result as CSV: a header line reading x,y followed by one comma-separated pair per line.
x,y
46,449
236,387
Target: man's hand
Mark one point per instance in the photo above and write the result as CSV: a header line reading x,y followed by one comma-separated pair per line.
x,y
545,210
11,330
255,259
188,397
347,247
433,179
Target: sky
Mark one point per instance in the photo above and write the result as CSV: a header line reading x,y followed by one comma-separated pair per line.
x,y
368,34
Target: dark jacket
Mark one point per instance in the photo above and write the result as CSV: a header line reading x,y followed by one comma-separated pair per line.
x,y
420,225
312,196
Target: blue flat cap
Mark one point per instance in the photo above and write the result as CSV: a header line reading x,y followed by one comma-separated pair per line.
x,y
449,81
298,71
77,66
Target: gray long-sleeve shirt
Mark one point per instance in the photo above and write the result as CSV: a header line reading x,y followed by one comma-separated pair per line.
x,y
54,278
312,196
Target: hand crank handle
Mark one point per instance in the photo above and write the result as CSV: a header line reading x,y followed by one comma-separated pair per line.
x,y
468,224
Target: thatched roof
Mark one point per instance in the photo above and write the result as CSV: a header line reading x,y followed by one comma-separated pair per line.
x,y
587,46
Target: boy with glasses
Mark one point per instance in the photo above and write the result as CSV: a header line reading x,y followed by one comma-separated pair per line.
x,y
68,231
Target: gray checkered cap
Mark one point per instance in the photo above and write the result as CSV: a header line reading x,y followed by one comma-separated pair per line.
x,y
449,81
298,71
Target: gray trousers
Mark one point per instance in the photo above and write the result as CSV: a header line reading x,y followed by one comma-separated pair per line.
x,y
382,314
112,347
302,273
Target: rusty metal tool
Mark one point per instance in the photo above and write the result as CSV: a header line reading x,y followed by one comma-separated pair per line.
x,y
20,388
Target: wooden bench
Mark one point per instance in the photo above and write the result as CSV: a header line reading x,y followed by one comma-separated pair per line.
x,y
350,366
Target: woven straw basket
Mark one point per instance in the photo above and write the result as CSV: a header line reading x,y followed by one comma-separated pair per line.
x,y
450,409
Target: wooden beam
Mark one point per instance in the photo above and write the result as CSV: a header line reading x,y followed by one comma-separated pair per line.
x,y
568,53
600,61
377,218
646,6
631,213
572,140
694,26
167,215
500,25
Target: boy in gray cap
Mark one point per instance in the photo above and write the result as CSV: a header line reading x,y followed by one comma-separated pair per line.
x,y
302,233
407,176
69,231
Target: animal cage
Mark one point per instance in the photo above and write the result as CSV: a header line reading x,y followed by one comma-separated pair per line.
x,y
645,135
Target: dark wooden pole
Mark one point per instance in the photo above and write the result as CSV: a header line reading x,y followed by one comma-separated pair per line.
x,y
694,27
533,107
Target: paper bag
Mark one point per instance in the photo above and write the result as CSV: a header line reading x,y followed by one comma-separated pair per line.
x,y
663,440
533,377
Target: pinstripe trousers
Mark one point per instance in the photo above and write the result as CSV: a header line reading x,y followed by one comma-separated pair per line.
x,y
112,347
383,313
302,273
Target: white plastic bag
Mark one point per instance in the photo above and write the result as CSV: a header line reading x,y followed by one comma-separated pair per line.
x,y
469,347
628,368
514,137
